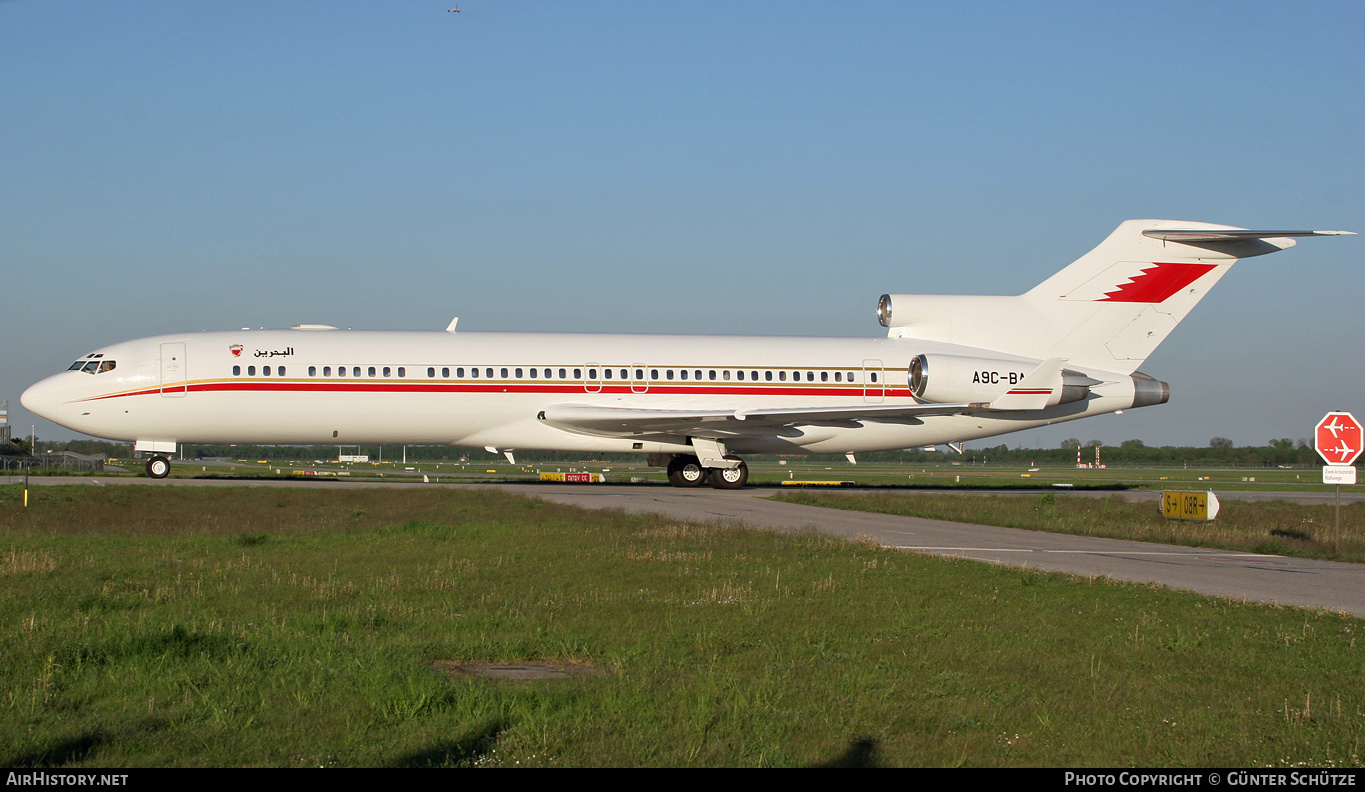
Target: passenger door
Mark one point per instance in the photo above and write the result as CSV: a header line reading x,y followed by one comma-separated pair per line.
x,y
174,377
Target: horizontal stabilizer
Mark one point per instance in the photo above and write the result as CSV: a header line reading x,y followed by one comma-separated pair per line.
x,y
1228,235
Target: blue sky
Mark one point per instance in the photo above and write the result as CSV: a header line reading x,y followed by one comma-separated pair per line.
x,y
750,167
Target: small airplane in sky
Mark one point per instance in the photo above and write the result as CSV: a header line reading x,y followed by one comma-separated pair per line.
x,y
454,10
951,368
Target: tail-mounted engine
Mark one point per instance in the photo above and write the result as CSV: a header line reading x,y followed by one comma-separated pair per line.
x,y
954,379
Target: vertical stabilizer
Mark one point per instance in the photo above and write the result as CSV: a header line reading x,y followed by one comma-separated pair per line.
x,y
1109,309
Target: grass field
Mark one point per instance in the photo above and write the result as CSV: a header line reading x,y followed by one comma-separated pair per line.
x,y
211,627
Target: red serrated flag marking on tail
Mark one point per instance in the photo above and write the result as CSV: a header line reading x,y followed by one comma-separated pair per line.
x,y
1157,282
1338,438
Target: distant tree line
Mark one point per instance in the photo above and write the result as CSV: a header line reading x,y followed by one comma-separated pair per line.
x,y
1220,452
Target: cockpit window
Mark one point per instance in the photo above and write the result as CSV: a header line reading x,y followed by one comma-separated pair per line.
x,y
93,366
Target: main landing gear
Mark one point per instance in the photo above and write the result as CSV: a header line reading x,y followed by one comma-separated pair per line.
x,y
158,467
685,470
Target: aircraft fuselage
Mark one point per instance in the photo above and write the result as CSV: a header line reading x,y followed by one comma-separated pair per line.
x,y
487,389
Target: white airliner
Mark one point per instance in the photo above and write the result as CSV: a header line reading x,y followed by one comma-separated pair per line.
x,y
951,369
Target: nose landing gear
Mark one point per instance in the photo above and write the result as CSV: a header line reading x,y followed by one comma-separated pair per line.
x,y
158,467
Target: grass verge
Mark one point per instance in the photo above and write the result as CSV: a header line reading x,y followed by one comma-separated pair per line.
x,y
1270,527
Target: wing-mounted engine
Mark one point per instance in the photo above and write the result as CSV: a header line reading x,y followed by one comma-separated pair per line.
x,y
1003,384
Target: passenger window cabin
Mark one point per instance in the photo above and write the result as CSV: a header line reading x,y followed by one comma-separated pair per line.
x,y
624,374
633,375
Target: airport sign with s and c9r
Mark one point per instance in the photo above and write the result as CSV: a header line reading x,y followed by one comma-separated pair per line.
x,y
1177,505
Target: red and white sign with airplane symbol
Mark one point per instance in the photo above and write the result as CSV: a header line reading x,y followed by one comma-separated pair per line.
x,y
1339,438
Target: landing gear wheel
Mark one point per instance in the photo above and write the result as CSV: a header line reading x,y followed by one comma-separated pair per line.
x,y
733,478
158,467
686,471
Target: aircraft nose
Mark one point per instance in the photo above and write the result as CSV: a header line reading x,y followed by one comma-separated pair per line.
x,y
41,399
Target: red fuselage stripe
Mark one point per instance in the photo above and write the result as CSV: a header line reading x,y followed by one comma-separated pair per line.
x,y
561,388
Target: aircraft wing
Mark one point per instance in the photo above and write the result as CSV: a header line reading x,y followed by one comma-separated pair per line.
x,y
627,421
